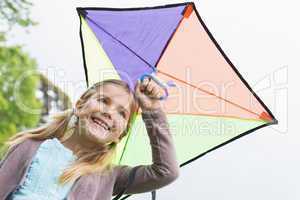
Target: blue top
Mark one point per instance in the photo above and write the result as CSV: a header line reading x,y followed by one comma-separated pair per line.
x,y
41,181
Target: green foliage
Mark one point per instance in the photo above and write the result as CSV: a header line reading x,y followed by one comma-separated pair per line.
x,y
13,64
14,13
17,91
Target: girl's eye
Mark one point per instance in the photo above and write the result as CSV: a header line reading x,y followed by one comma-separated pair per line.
x,y
103,99
123,114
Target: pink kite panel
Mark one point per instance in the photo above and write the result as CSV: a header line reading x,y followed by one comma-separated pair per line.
x,y
203,77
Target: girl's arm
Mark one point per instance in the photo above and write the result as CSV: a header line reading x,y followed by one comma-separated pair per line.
x,y
164,169
12,168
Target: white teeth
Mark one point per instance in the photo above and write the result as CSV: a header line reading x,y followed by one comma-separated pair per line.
x,y
100,123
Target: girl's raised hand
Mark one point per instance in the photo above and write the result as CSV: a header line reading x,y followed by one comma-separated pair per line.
x,y
148,94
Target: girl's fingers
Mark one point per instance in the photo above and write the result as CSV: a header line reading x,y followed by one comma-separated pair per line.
x,y
153,90
138,88
155,93
147,93
145,83
149,88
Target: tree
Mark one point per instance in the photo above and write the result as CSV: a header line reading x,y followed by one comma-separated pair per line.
x,y
52,97
20,81
14,13
13,64
17,92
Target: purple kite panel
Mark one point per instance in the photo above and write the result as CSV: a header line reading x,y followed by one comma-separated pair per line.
x,y
142,33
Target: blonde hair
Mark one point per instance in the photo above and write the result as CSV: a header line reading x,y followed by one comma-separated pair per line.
x,y
95,161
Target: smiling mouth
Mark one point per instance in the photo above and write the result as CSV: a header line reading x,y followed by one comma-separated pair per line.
x,y
99,123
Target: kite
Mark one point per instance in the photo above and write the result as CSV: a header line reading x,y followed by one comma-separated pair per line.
x,y
211,105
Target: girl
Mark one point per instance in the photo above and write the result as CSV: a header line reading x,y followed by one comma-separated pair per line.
x,y
71,157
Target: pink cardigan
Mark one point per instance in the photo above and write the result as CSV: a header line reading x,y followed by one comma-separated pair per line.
x,y
163,171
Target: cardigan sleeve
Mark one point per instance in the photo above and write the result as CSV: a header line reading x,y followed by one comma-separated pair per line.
x,y
164,168
12,168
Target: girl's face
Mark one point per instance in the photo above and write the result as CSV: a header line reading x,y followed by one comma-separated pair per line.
x,y
105,115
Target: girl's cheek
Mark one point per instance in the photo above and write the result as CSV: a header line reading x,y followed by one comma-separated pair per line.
x,y
86,109
121,125
94,104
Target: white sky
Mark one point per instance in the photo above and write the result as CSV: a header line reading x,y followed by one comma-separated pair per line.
x,y
261,38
